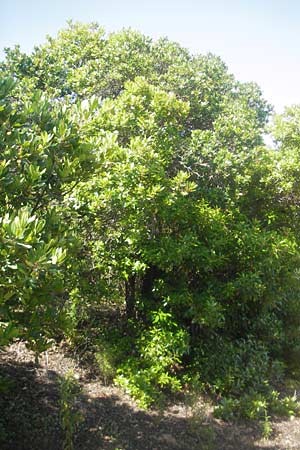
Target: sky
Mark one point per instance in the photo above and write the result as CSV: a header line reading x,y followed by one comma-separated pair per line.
x,y
259,40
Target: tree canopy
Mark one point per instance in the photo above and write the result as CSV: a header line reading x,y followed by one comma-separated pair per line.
x,y
135,175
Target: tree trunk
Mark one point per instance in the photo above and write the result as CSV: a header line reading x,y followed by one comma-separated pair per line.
x,y
130,296
151,274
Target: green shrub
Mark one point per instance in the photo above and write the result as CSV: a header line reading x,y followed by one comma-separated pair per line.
x,y
154,369
232,367
69,415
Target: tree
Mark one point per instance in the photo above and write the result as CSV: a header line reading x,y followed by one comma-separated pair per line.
x,y
147,165
44,147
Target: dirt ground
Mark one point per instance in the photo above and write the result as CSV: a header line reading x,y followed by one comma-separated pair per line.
x,y
30,415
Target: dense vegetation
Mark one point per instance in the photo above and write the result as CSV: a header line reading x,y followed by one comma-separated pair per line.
x,y
135,180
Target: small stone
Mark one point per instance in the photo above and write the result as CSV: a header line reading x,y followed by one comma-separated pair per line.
x,y
168,438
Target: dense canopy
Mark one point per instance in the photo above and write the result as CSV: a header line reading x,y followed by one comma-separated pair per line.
x,y
135,179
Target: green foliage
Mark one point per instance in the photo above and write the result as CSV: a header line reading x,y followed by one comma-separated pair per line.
x,y
160,350
134,174
70,418
243,366
110,351
258,406
288,406
42,150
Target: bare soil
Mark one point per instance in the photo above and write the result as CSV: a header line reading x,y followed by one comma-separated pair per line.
x,y
30,414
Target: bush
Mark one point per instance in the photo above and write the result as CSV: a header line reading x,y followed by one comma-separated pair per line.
x,y
160,350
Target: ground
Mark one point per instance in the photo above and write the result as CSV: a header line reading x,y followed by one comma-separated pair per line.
x,y
30,414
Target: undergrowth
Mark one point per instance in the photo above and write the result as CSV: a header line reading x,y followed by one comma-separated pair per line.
x,y
151,363
70,417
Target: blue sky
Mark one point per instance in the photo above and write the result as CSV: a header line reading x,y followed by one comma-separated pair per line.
x,y
258,39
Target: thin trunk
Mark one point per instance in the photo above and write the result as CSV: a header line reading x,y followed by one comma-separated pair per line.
x,y
148,282
130,296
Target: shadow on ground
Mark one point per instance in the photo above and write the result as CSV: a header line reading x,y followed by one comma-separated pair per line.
x,y
30,420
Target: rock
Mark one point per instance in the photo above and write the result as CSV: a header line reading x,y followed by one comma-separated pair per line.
x,y
168,439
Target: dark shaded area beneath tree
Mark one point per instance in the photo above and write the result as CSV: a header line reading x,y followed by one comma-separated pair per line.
x,y
30,420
